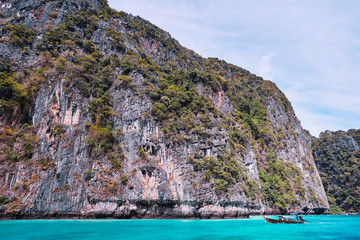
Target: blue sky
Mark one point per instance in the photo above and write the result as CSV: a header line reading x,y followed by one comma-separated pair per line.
x,y
310,49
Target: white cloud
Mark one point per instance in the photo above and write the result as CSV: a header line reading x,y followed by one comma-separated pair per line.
x,y
266,69
317,122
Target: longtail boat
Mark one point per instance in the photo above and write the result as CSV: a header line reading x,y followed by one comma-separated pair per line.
x,y
294,218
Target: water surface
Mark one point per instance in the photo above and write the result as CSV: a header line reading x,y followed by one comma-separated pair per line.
x,y
322,227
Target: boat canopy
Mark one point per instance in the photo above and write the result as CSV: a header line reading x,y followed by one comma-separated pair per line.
x,y
294,213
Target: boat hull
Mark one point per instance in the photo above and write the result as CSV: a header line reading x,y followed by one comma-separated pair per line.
x,y
287,220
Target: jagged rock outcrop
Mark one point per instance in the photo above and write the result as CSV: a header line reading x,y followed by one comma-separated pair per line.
x,y
105,115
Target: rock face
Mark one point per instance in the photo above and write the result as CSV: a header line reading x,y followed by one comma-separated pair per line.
x,y
337,157
105,115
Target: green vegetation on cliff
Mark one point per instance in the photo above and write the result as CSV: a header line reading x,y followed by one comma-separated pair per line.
x,y
337,156
280,180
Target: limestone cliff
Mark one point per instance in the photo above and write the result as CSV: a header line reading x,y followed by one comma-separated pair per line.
x,y
105,115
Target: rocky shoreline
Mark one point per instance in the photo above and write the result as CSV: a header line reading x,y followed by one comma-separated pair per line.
x,y
141,214
22,216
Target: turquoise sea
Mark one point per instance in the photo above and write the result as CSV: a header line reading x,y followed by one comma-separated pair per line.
x,y
322,227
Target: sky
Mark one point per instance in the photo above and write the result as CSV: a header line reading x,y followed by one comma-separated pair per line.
x,y
310,49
